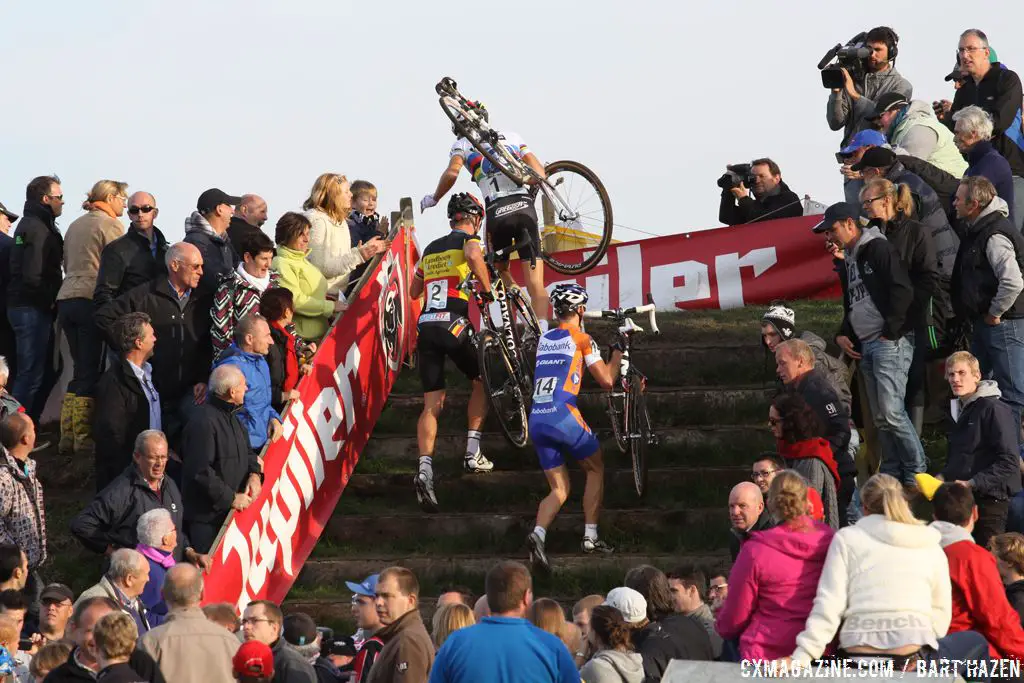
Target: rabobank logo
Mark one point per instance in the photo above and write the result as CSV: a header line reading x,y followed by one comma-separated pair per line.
x,y
561,347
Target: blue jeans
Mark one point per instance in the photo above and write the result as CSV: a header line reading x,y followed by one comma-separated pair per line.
x,y
1000,352
885,366
963,646
77,322
32,328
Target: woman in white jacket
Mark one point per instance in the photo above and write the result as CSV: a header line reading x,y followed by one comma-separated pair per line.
x,y
330,246
885,588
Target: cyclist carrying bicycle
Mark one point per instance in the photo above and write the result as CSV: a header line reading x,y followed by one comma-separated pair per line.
x,y
556,425
510,208
446,332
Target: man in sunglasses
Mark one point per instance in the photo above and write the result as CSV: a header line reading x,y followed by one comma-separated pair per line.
x,y
136,257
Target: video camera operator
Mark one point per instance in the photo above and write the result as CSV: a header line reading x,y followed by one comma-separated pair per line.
x,y
772,197
871,57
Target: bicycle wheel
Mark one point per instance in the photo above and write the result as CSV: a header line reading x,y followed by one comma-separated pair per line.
x,y
639,426
616,413
527,331
573,201
502,386
466,126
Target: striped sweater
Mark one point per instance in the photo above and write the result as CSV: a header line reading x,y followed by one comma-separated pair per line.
x,y
236,298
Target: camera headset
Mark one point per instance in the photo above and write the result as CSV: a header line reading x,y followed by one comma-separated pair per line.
x,y
891,41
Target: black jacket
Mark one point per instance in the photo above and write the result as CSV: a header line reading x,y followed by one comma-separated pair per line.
x,y
929,211
816,389
36,259
121,413
110,519
983,446
120,673
219,257
1015,594
888,285
1000,94
70,672
6,242
217,460
676,636
782,204
943,183
128,262
931,307
736,538
239,232
184,350
289,665
276,362
974,281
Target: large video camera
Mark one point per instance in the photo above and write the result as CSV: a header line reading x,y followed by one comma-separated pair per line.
x,y
736,175
850,56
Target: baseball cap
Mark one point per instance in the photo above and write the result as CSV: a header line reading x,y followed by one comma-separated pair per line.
x,y
299,629
11,216
57,592
876,157
253,660
368,587
887,102
342,646
839,211
863,139
630,603
211,199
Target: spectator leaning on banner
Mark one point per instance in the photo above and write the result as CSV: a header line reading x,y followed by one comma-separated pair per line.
x,y
912,127
987,286
983,445
877,295
849,107
997,90
239,292
288,356
135,258
979,603
772,197
973,126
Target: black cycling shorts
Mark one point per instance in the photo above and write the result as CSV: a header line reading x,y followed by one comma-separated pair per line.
x,y
436,343
508,220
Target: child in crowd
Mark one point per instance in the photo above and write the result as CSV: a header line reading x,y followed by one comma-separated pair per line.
x,y
1009,551
49,657
290,355
364,223
114,639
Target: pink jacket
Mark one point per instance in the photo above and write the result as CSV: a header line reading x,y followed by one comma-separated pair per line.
x,y
772,587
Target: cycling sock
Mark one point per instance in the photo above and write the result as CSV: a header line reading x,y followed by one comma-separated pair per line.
x,y
543,326
541,533
473,443
590,531
426,464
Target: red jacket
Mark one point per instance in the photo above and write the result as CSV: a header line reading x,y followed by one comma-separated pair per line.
x,y
979,599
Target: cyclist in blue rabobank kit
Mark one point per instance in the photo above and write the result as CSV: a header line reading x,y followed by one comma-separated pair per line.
x,y
556,426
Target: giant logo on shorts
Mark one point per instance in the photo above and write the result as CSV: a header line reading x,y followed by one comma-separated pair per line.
x,y
510,208
392,309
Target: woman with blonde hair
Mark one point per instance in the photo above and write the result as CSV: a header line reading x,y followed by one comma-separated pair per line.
x,y
83,243
547,615
330,245
885,588
449,619
892,208
773,582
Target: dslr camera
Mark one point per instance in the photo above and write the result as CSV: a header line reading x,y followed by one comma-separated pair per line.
x,y
850,56
736,175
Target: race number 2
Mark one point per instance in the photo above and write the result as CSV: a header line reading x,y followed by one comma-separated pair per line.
x,y
544,388
437,295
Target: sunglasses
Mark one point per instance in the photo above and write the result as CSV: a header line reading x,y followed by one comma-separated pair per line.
x,y
141,209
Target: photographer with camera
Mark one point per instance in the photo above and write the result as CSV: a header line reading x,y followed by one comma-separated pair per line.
x,y
864,71
772,197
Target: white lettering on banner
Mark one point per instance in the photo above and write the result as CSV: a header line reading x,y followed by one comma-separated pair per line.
x,y
695,282
730,279
630,260
315,440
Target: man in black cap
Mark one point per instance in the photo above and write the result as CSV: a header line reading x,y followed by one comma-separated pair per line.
x,y
7,348
207,229
335,662
877,294
56,603
911,126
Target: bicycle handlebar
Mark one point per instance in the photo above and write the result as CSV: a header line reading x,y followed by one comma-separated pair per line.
x,y
620,314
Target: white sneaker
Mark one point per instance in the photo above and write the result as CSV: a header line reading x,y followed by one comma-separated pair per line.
x,y
477,463
424,483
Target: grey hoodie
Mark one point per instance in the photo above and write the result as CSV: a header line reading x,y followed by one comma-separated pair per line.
x,y
951,533
612,666
986,388
842,112
1003,259
865,318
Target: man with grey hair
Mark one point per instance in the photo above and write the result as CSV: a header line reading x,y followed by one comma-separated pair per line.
x,y
974,128
187,646
249,217
221,472
127,402
987,286
136,257
158,537
996,89
180,316
123,583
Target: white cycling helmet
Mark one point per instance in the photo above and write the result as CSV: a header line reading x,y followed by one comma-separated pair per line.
x,y
566,298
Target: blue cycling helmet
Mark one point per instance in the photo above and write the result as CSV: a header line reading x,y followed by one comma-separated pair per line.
x,y
566,298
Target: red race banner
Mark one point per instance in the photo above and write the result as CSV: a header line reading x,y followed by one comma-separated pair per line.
x,y
722,268
261,550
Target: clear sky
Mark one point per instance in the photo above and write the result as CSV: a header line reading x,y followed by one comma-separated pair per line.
x,y
259,96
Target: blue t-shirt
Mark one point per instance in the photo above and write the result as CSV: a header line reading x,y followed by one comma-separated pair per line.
x,y
503,650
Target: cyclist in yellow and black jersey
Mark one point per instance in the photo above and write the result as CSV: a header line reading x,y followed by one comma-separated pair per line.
x,y
446,332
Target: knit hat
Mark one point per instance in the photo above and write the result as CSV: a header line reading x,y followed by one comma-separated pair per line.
x,y
781,318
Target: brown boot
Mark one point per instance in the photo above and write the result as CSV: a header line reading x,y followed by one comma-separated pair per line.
x,y
66,446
